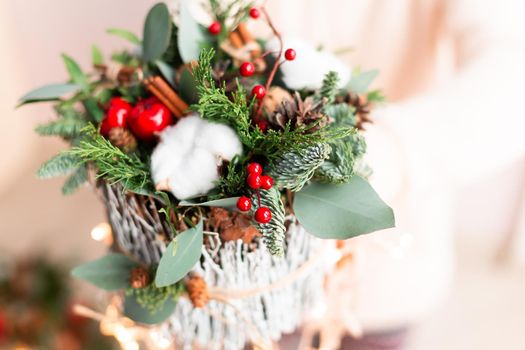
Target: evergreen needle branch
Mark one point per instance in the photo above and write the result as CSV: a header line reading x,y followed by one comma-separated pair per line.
x,y
112,164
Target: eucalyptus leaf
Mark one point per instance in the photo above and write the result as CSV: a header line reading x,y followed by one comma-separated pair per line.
x,y
75,72
157,32
190,34
227,203
188,87
180,256
167,71
137,313
124,34
360,82
342,211
49,92
96,56
111,272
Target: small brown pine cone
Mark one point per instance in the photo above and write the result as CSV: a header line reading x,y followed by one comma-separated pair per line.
x,y
139,277
197,291
123,139
125,74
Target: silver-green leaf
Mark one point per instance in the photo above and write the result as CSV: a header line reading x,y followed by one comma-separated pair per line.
x,y
124,34
180,256
157,32
227,203
342,211
360,82
49,92
111,272
190,36
138,313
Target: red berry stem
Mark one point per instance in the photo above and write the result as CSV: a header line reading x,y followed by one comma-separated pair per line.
x,y
276,64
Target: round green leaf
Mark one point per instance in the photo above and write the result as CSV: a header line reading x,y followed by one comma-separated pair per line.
x,y
157,32
180,256
342,211
137,313
110,272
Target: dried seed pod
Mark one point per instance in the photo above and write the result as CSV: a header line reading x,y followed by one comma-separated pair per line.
x,y
197,291
123,139
139,277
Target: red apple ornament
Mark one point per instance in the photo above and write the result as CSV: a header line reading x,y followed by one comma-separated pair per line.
x,y
116,115
148,118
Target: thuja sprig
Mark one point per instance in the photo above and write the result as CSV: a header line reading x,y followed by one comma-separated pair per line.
x,y
112,164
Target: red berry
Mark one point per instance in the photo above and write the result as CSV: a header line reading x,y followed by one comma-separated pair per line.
x,y
254,168
266,182
254,13
263,125
116,115
215,28
263,215
259,91
244,203
290,54
254,181
247,69
149,117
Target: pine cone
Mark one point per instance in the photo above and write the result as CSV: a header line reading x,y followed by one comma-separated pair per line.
x,y
274,98
300,113
123,139
197,291
139,278
125,75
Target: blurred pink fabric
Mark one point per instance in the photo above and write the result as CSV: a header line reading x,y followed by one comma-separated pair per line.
x,y
452,69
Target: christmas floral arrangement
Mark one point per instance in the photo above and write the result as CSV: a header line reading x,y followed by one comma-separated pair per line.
x,y
223,161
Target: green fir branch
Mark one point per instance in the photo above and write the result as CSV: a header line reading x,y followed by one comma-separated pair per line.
x,y
274,232
61,164
67,127
75,180
330,87
112,163
293,169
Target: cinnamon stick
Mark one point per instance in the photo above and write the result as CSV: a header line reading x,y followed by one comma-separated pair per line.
x,y
170,94
236,40
247,38
155,91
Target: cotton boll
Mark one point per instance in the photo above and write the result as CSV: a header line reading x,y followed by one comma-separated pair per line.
x,y
220,139
188,154
310,66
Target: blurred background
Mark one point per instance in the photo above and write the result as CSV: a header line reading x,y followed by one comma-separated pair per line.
x,y
448,151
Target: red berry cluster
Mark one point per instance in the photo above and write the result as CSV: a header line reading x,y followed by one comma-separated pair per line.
x,y
256,181
145,119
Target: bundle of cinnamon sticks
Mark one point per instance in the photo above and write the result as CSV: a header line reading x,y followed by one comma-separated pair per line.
x,y
243,47
161,89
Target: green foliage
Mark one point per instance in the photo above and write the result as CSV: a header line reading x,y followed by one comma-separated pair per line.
x,y
360,81
233,181
274,232
61,164
157,32
96,55
342,114
124,34
68,126
75,180
342,211
157,303
375,96
111,272
215,105
51,92
180,256
112,163
75,72
293,169
330,87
